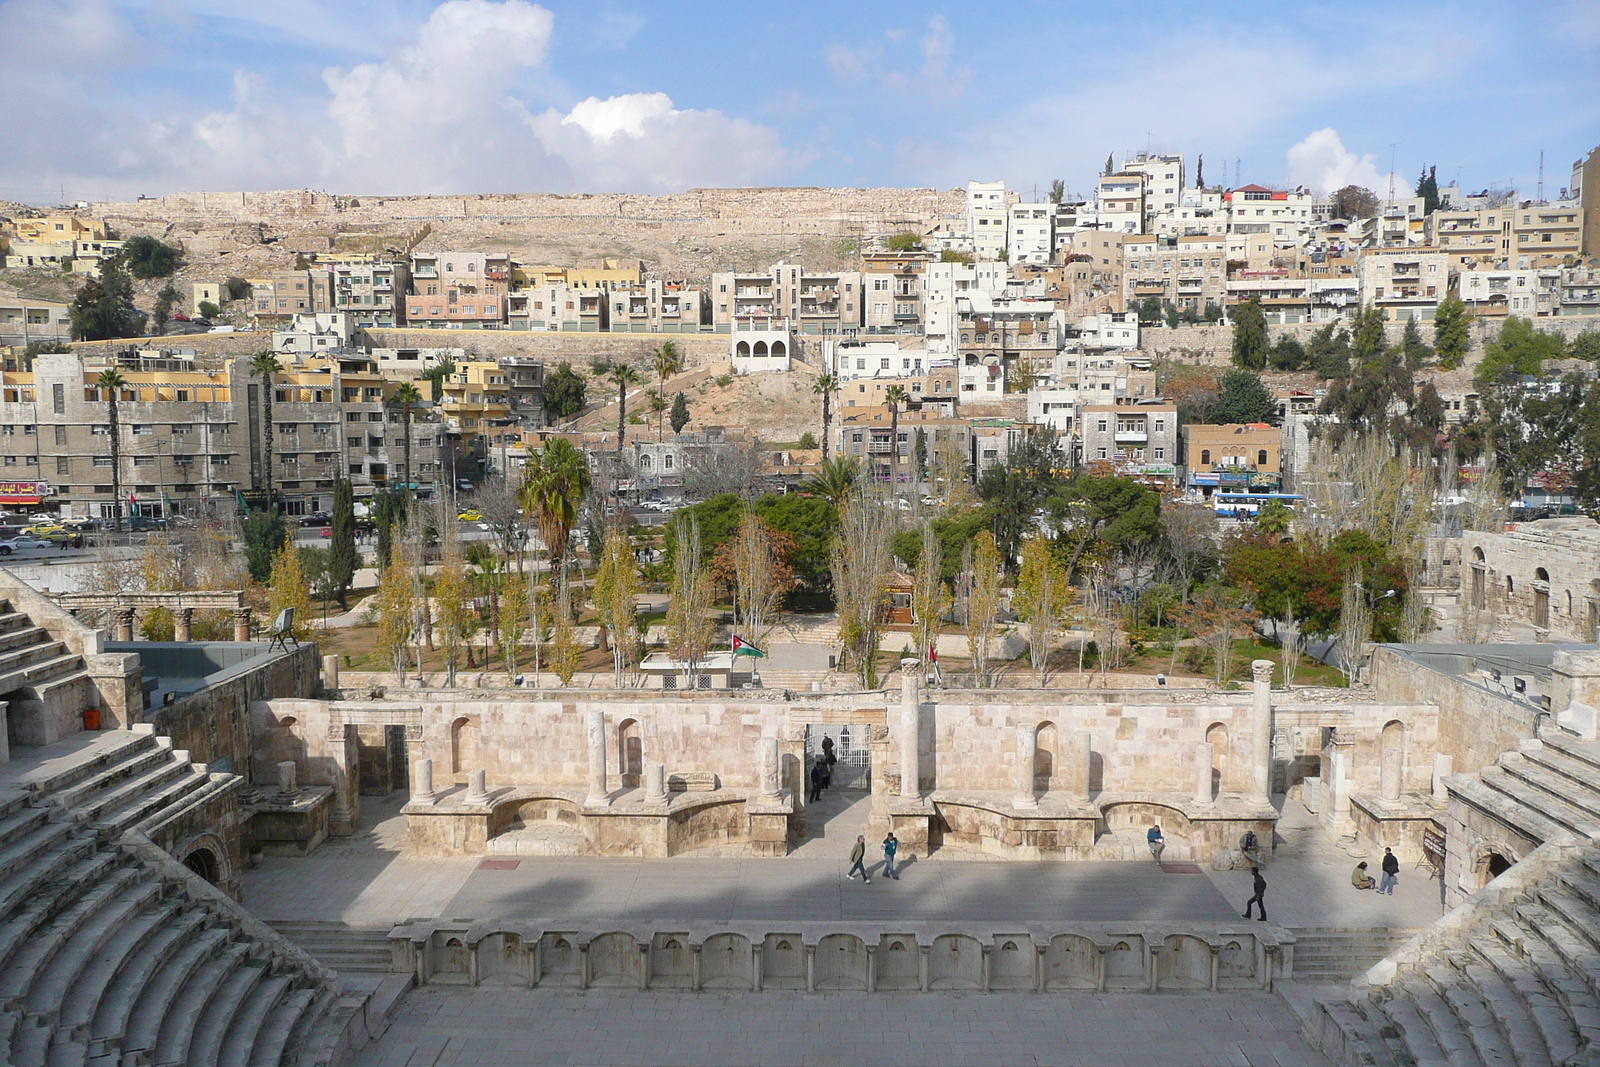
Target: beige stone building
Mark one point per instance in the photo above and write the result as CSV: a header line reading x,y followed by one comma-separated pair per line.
x,y
1545,574
811,302
1404,283
892,291
276,298
1232,457
1140,440
1186,272
1548,234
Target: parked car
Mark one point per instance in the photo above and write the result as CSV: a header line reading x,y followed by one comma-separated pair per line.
x,y
470,515
320,518
22,544
463,486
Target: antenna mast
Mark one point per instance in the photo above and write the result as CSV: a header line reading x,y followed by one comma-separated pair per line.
x,y
1541,175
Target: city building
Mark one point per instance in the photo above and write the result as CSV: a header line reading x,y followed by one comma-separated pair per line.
x,y
811,302
657,306
307,332
1404,283
1137,440
55,242
876,358
1232,457
1546,234
986,218
1497,293
1120,200
942,283
1186,272
1472,237
22,322
277,297
371,289
1164,178
892,290
1030,234
1585,189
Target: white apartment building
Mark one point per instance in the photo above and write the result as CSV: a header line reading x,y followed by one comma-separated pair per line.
x,y
1164,177
314,332
1199,211
851,360
986,218
1528,293
1113,329
1120,200
1031,233
1404,283
942,283
1282,214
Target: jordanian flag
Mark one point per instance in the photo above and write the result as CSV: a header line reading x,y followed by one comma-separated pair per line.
x,y
741,647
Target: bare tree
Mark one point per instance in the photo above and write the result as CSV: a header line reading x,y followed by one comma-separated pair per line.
x,y
1189,542
1355,624
499,502
1042,599
616,590
981,564
862,568
1291,642
729,467
760,574
689,624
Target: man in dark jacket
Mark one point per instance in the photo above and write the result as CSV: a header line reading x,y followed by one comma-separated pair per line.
x,y
816,780
858,857
1256,901
1391,872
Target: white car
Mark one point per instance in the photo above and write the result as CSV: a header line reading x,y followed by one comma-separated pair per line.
x,y
22,544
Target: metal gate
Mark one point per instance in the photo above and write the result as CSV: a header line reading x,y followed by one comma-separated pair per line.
x,y
852,752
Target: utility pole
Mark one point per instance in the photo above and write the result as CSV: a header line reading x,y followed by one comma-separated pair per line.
x,y
1541,175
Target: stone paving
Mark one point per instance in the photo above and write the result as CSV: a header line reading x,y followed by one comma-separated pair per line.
x,y
440,1027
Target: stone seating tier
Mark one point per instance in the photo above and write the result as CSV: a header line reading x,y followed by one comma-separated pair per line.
x,y
113,953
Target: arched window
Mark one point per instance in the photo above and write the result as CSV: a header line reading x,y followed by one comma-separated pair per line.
x,y
1261,458
761,348
1205,455
463,745
743,349
1477,554
1542,575
777,348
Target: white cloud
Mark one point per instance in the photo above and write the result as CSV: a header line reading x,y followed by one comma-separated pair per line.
x,y
937,47
1322,164
448,111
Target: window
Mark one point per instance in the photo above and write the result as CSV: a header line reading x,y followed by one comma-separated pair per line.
x,y
219,428
1205,455
1161,425
144,461
1160,453
666,461
355,468
373,416
288,427
101,429
58,399
352,416
142,430
102,461
1100,425
1100,453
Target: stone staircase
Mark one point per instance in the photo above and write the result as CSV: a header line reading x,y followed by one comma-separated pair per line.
x,y
31,659
344,947
1511,977
114,955
1338,954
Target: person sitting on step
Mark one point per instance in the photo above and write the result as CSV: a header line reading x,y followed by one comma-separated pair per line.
x,y
1360,878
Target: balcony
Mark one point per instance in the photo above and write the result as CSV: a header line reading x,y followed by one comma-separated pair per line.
x,y
425,272
1131,437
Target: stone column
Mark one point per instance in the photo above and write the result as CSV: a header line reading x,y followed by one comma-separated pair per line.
x,y
1389,774
122,624
1442,767
287,785
769,768
477,787
422,782
1261,732
910,738
1082,759
655,781
241,624
596,734
1202,773
182,623
1027,746
330,672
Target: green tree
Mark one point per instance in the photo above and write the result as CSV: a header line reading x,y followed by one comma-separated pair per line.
x,y
1288,354
1015,491
1520,349
266,364
623,375
148,257
616,589
1451,325
1042,599
564,390
406,397
680,413
1249,335
1058,189
905,241
1369,344
436,376
1585,346
1328,352
1274,517
388,511
342,556
208,310
103,307
236,288
264,533
161,314
807,442
288,587
824,387
809,523
919,454
1243,397
110,382
1119,513
1413,348
954,531
1428,189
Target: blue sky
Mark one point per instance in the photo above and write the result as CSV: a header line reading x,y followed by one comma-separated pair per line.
x,y
101,98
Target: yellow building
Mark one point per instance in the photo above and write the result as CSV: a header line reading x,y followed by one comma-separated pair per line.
x,y
475,399
610,274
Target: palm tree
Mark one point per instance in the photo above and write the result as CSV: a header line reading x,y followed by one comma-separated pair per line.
x,y
895,396
405,398
623,375
667,360
553,483
824,387
110,382
266,364
834,481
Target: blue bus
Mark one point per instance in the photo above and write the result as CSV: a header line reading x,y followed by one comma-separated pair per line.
x,y
1245,505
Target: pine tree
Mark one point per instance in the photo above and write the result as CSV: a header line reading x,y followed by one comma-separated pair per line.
x,y
680,413
342,556
1451,323
1250,343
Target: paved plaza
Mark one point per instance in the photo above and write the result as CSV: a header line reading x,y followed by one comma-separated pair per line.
x,y
496,1026
369,879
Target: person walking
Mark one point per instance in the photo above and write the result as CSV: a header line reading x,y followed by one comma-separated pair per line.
x,y
1156,842
816,781
1257,901
1391,872
858,856
890,846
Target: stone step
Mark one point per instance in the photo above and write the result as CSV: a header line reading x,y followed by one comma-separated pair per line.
x,y
272,1036
1582,882
1448,1032
187,941
306,1026
1569,989
229,1002
1555,1026
340,946
144,805
140,1017
18,973
1474,1016
119,794
1580,795
22,822
18,631
51,984
21,855
1574,951
1578,914
327,1032
171,1031
1413,1030
1499,806
112,747
136,764
21,886
1550,806
54,891
154,933
211,786
244,1027
1554,759
1583,751
1512,1014
1360,1036
16,659
36,675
